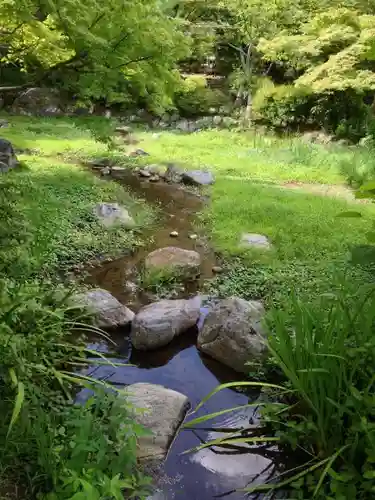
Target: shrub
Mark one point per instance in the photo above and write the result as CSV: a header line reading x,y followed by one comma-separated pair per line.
x,y
195,98
343,113
51,444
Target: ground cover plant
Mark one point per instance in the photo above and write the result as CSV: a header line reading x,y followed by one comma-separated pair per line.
x,y
52,448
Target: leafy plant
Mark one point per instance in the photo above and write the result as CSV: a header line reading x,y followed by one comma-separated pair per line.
x,y
326,406
193,97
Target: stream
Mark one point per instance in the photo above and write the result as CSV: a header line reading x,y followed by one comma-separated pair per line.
x,y
180,366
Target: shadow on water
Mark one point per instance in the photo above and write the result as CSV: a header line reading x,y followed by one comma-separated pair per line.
x,y
180,366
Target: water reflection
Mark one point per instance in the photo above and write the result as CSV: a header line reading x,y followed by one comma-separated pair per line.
x,y
209,472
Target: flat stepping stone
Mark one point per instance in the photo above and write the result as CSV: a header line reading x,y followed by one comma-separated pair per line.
x,y
232,333
253,240
184,262
123,130
164,411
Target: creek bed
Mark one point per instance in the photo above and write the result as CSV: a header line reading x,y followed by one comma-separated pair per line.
x,y
180,366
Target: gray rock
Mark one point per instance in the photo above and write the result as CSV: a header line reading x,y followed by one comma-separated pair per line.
x,y
173,173
38,101
317,137
229,122
156,325
156,169
184,262
4,124
217,120
108,311
183,126
139,152
367,141
173,234
198,178
130,287
250,240
8,158
144,173
232,333
116,169
164,411
112,214
204,122
100,163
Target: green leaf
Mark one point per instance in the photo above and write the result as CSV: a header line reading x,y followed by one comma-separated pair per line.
x,y
229,385
17,405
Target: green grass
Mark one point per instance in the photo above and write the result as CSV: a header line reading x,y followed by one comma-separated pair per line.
x,y
311,245
55,200
54,449
264,158
54,136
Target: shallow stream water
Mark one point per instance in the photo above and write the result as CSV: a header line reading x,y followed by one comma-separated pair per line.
x,y
180,366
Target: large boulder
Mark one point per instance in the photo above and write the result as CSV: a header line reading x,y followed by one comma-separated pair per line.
x,y
164,410
112,214
38,101
8,158
107,310
156,325
185,263
233,334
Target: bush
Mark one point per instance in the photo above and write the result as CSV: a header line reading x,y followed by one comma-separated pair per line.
x,y
343,113
195,98
48,443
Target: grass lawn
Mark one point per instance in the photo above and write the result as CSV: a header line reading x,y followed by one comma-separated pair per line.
x,y
47,206
311,245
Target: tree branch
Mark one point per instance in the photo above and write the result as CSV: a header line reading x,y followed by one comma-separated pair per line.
x,y
139,59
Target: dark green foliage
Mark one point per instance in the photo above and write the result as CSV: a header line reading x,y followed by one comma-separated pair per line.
x,y
343,113
195,98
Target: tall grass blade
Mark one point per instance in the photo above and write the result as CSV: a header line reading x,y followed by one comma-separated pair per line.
x,y
211,416
234,440
17,405
326,469
229,385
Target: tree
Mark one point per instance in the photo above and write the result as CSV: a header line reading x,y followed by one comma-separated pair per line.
x,y
109,50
